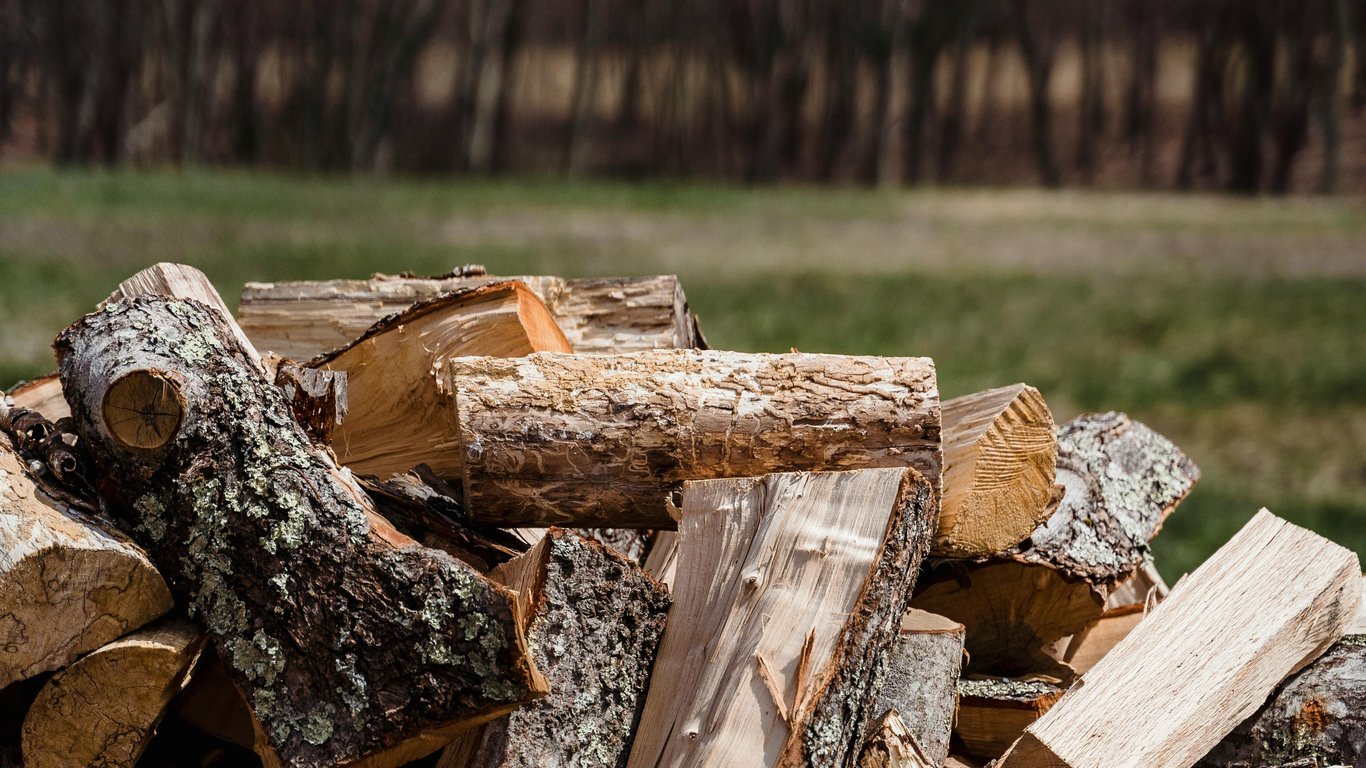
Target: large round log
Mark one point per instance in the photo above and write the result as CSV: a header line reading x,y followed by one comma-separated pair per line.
x,y
344,638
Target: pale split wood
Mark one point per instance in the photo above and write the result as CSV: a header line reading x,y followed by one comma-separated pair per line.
x,y
103,709
43,394
400,409
999,457
921,680
67,585
1267,603
605,440
598,315
811,572
893,745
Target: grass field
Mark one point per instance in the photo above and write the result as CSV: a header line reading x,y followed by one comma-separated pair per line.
x,y
1236,327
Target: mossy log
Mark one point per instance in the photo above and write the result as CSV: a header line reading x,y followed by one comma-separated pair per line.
x,y
594,620
606,440
346,638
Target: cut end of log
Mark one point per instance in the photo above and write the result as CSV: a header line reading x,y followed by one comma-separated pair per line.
x,y
143,409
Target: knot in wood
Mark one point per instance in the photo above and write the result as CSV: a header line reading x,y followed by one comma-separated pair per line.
x,y
143,409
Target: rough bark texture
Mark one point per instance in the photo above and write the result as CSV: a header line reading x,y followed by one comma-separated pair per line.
x,y
1121,480
102,710
595,621
183,281
993,712
597,315
788,599
67,585
1315,718
999,456
1270,601
921,679
343,641
1012,611
401,411
606,440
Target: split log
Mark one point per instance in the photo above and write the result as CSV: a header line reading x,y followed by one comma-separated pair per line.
x,y
1317,717
184,282
43,394
789,597
1121,480
346,637
921,681
401,413
993,712
999,456
103,709
598,315
213,704
892,745
607,440
1270,601
1013,613
67,585
594,623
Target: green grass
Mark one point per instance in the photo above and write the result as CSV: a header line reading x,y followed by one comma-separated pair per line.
x,y
1236,327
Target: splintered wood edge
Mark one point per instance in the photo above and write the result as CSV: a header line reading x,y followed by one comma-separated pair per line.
x,y
143,409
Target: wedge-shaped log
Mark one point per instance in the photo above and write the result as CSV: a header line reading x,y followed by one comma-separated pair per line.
x,y
1267,603
789,597
345,637
400,412
1121,480
594,624
993,712
921,681
598,315
893,745
67,585
999,456
103,709
606,440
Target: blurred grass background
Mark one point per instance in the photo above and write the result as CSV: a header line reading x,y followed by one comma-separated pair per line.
x,y
1237,327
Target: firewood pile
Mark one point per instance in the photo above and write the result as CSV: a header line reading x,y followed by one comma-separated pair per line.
x,y
477,521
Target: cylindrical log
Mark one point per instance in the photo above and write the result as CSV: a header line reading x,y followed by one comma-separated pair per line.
x,y
344,641
606,440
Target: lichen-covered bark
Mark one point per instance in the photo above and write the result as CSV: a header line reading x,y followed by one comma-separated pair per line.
x,y
595,623
606,440
1315,719
343,642
842,714
1121,480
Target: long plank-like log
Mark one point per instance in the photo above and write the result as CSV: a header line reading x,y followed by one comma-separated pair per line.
x,y
67,585
594,620
346,638
400,412
1121,480
788,598
606,440
1270,601
999,456
921,680
598,315
102,710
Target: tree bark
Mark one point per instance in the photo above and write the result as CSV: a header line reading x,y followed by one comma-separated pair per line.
x,y
758,666
103,709
67,585
993,712
921,681
605,440
594,624
1269,602
346,638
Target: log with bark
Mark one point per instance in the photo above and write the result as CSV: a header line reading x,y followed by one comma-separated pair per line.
x,y
594,620
1121,480
68,583
994,711
102,710
346,636
999,456
598,315
1269,602
920,682
607,440
787,602
400,411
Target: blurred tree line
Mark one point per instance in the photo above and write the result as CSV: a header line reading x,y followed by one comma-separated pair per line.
x,y
1208,93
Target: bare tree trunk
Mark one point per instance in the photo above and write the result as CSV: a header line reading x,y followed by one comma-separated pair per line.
x,y
954,124
1037,51
491,82
1259,48
1142,96
586,64
1330,101
1091,110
